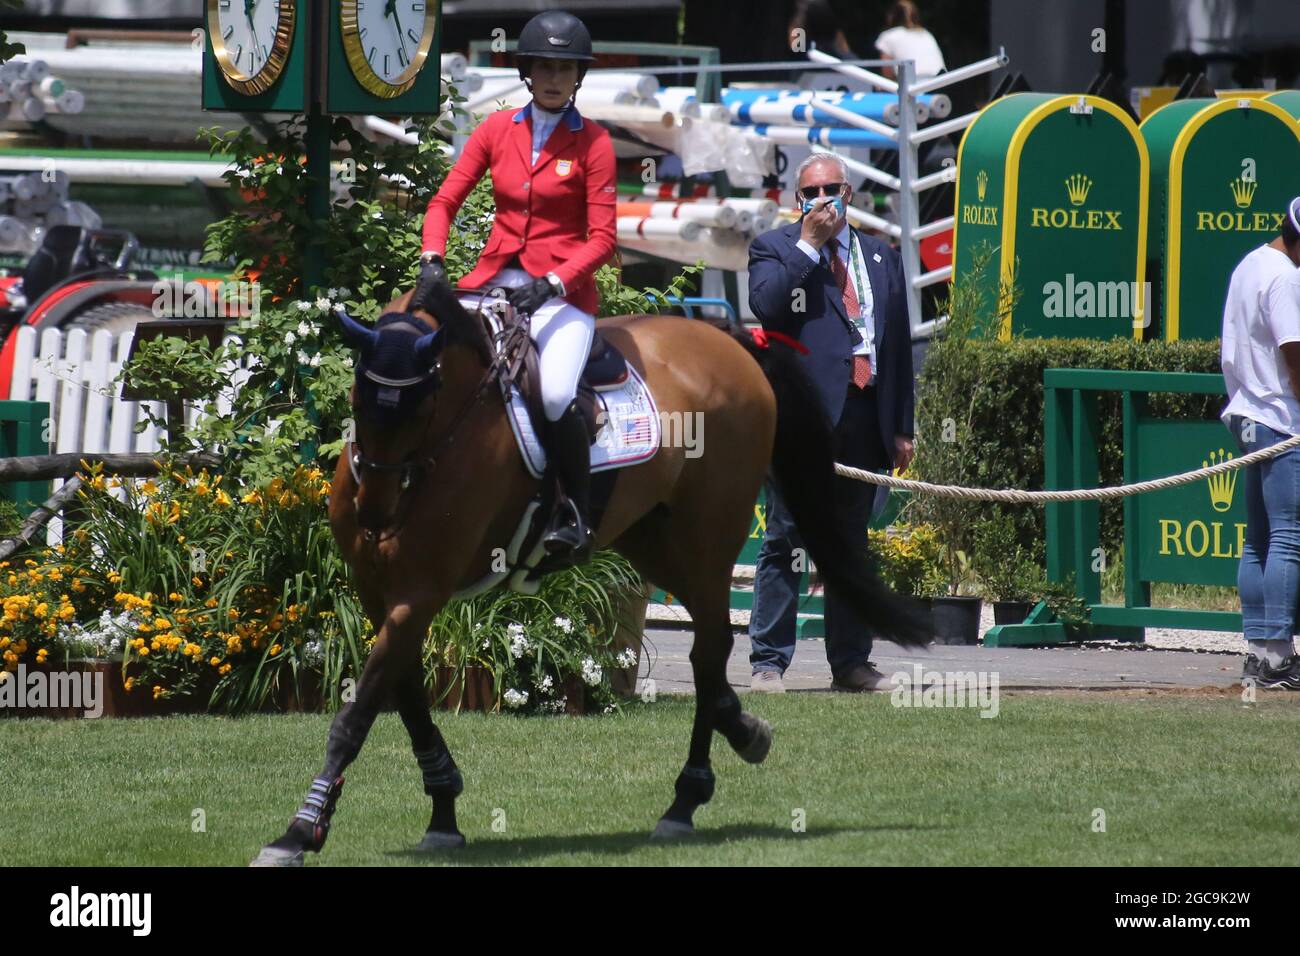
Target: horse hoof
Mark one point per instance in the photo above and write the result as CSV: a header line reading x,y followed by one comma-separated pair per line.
x,y
441,840
666,830
756,750
277,856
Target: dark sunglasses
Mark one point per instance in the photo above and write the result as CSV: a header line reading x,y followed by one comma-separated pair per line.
x,y
826,189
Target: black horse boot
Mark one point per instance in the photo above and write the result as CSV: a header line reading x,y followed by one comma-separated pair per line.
x,y
571,446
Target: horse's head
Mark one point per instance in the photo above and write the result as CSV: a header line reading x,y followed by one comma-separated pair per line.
x,y
399,375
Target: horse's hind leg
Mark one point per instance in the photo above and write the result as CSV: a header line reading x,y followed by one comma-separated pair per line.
x,y
717,707
442,779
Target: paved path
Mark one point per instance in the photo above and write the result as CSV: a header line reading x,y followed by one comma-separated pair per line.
x,y
666,654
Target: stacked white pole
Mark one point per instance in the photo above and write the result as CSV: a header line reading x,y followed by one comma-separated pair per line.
x,y
32,91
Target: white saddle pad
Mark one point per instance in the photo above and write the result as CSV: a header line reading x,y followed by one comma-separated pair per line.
x,y
629,420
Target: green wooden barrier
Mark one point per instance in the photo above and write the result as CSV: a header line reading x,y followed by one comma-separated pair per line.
x,y
22,432
1222,172
1190,534
1056,186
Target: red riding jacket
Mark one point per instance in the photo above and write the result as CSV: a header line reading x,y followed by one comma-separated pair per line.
x,y
556,214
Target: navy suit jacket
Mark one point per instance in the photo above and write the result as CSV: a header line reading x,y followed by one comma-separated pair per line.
x,y
777,267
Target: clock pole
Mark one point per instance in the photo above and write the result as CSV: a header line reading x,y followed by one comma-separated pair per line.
x,y
318,150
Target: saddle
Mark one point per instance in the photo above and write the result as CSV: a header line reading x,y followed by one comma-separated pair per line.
x,y
606,368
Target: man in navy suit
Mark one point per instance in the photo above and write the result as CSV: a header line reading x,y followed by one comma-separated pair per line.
x,y
842,294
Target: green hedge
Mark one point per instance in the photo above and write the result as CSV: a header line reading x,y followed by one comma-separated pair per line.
x,y
990,395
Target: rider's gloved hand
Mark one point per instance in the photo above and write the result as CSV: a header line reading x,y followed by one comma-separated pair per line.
x,y
528,299
432,274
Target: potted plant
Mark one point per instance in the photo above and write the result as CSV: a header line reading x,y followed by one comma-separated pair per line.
x,y
911,561
556,651
1008,576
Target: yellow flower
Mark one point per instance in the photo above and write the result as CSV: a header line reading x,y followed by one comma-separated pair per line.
x,y
202,489
41,655
149,488
215,662
157,691
224,669
196,581
130,683
223,500
210,602
254,497
233,614
161,623
67,612
275,649
144,652
114,577
174,597
42,609
193,650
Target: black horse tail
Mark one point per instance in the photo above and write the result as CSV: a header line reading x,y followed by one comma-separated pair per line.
x,y
803,465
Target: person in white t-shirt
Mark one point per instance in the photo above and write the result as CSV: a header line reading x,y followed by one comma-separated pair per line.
x,y
1260,354
907,39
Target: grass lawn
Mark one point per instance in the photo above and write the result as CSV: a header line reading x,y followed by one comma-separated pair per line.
x,y
1183,780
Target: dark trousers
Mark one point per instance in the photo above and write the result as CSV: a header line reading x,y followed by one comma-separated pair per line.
x,y
857,443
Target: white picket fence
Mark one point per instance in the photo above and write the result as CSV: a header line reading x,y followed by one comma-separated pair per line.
x,y
75,373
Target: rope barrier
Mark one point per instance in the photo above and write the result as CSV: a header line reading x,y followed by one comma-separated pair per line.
x,y
1015,496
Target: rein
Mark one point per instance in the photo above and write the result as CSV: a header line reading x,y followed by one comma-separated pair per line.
x,y
503,369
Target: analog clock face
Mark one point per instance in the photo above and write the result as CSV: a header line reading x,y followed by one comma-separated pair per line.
x,y
251,40
387,41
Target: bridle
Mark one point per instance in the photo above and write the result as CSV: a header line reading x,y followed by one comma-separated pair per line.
x,y
415,467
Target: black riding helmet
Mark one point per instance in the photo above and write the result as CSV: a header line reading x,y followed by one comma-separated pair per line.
x,y
554,35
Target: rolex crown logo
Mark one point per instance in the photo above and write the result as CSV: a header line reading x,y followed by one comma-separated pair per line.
x,y
1077,186
1243,193
981,183
1221,485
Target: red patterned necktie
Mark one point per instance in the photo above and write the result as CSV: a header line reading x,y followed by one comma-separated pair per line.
x,y
861,364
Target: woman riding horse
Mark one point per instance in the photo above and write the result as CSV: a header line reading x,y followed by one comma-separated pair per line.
x,y
431,487
554,186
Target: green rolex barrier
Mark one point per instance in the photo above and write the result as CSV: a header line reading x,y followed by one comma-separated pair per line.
x,y
1289,100
1055,188
1221,174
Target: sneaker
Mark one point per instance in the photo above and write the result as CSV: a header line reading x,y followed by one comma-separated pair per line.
x,y
1285,677
767,682
1250,669
859,679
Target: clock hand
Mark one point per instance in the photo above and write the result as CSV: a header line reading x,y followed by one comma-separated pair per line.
x,y
248,12
391,9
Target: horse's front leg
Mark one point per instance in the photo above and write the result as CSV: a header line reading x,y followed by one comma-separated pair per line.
x,y
396,650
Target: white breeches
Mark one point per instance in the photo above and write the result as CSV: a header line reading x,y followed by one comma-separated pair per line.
x,y
563,334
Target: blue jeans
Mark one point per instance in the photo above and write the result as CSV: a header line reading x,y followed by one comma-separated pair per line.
x,y
1269,575
776,583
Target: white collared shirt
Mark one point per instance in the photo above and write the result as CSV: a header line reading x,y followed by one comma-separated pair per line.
x,y
861,285
544,123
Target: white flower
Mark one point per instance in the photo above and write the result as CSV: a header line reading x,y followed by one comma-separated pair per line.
x,y
546,684
626,658
303,358
332,293
305,328
344,293
323,305
315,361
519,644
302,306
590,672
516,698
347,361
289,338
564,624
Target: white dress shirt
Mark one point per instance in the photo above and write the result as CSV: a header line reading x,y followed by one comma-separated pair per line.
x,y
865,321
544,123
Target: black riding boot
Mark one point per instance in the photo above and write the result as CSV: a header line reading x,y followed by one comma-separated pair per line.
x,y
571,448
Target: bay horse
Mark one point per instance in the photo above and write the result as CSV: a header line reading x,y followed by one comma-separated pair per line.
x,y
435,482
